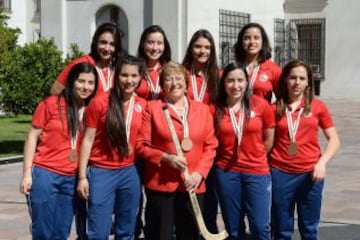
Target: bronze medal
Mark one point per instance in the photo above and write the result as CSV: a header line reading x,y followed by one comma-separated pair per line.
x,y
293,149
186,144
73,155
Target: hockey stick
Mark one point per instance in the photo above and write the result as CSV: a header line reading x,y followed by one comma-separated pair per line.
x,y
193,199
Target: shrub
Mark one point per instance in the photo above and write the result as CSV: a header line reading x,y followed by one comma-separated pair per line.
x,y
27,75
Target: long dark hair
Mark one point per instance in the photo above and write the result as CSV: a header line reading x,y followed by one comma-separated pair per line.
x,y
114,30
212,68
115,117
71,101
222,96
166,56
283,98
265,52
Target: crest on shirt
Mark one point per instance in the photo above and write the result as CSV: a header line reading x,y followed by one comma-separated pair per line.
x,y
264,77
252,114
138,108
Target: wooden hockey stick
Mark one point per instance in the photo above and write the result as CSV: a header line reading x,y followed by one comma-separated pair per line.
x,y
193,199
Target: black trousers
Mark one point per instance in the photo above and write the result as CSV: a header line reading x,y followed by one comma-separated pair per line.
x,y
164,211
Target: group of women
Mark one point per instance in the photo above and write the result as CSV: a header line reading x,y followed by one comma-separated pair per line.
x,y
116,123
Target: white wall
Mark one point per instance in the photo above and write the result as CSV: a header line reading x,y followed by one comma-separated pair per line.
x,y
342,50
74,21
342,57
18,19
171,16
53,18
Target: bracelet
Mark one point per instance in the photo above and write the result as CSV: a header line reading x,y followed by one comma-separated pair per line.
x,y
82,178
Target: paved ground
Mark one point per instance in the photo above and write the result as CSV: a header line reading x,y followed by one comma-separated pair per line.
x,y
341,207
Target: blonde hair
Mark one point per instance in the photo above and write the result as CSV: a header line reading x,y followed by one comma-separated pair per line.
x,y
171,67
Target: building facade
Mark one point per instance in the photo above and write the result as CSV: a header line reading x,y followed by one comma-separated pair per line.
x,y
321,32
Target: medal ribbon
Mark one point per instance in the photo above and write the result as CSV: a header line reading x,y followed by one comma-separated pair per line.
x,y
73,140
106,83
155,90
253,77
293,126
129,116
182,119
239,125
198,97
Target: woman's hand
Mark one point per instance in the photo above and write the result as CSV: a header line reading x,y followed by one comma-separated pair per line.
x,y
25,184
319,171
83,188
193,181
175,161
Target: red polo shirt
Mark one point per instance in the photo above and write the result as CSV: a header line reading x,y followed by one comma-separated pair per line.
x,y
54,146
267,80
102,155
252,158
306,139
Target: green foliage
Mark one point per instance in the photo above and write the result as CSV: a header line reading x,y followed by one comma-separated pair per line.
x,y
75,52
28,73
8,36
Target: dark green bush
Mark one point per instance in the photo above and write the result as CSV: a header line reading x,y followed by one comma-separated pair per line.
x,y
27,72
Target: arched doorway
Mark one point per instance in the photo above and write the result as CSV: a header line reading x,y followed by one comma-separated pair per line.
x,y
112,13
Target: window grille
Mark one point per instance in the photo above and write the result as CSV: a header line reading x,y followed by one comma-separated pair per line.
x,y
230,23
279,42
307,42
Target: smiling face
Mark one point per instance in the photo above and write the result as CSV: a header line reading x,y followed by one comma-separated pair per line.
x,y
129,79
105,46
154,46
84,85
174,85
296,82
235,85
201,50
252,41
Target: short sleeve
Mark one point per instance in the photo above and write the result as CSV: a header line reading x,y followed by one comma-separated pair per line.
x,y
325,119
41,115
